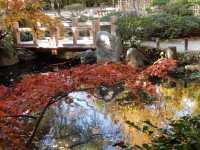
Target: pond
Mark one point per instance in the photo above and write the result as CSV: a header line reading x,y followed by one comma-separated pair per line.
x,y
92,124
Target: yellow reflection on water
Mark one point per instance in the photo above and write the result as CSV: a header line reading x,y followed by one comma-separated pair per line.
x,y
178,98
173,103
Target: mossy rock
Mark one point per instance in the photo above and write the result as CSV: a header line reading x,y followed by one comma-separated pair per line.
x,y
8,57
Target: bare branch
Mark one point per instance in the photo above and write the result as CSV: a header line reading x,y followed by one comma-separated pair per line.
x,y
21,116
51,101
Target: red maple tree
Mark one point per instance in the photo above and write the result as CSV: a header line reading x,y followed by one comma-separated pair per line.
x,y
31,97
161,67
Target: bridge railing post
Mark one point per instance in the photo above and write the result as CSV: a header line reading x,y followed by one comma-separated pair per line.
x,y
34,39
158,43
95,29
57,36
186,41
16,33
91,31
75,38
113,26
75,31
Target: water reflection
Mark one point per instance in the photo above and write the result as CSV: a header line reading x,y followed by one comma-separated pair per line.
x,y
187,108
92,124
82,118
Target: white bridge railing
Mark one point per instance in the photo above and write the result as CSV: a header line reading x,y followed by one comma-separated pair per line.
x,y
73,40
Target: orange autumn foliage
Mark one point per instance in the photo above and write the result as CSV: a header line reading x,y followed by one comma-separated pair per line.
x,y
30,11
31,95
161,67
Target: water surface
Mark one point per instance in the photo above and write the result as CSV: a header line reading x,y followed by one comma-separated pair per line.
x,y
88,123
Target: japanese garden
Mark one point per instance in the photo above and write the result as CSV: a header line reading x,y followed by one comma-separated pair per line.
x,y
99,74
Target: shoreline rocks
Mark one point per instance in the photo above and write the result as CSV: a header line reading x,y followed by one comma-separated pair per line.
x,y
134,58
8,58
25,54
14,56
88,57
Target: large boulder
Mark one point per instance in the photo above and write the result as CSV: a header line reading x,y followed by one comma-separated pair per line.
x,y
193,67
107,93
25,54
88,57
171,53
135,58
8,57
108,47
12,56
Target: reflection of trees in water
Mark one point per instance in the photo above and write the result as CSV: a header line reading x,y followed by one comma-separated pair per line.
x,y
80,122
175,97
174,102
85,122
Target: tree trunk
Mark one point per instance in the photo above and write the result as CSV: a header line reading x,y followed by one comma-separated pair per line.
x,y
136,6
52,5
58,6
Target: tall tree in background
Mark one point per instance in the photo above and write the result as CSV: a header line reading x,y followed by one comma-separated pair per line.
x,y
58,5
136,6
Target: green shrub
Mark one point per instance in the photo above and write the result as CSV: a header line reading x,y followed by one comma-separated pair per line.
x,y
163,26
75,7
160,2
179,8
7,45
174,19
182,134
175,7
108,16
8,41
128,29
166,26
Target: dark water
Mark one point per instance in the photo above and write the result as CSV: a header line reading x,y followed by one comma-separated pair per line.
x,y
43,63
